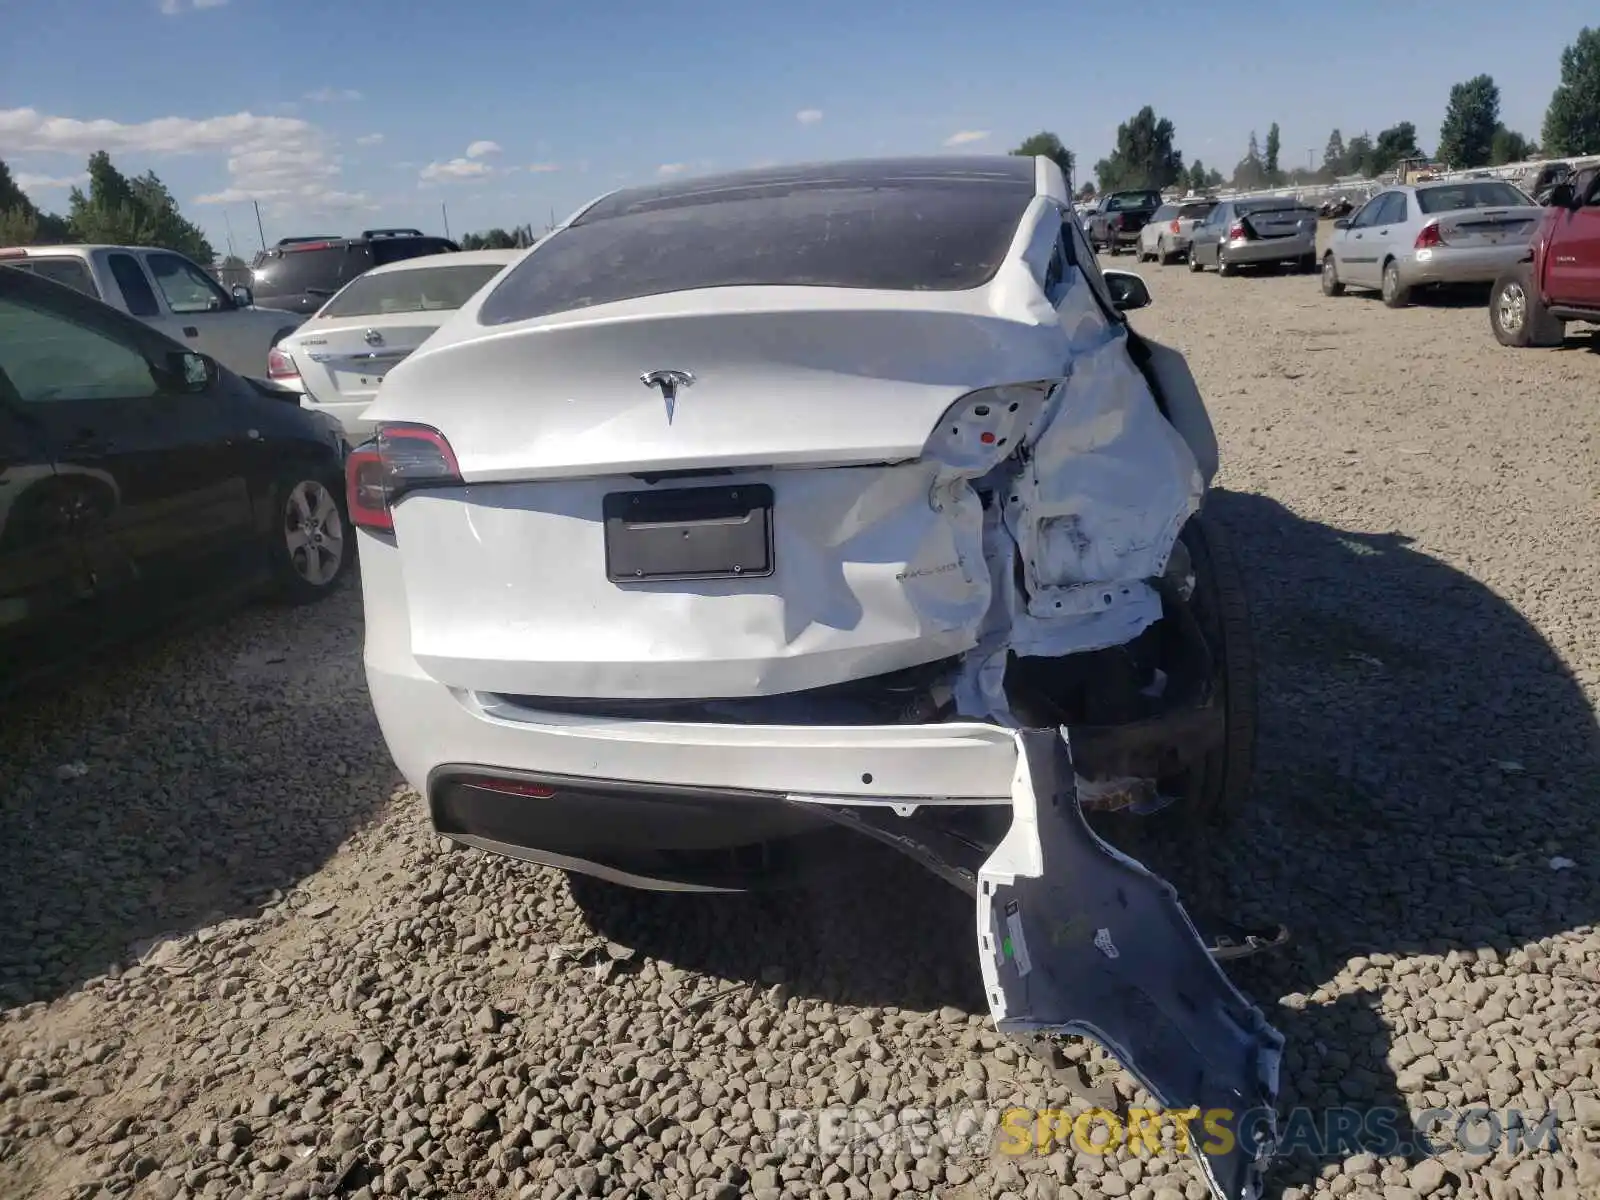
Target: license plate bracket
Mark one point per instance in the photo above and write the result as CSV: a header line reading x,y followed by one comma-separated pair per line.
x,y
689,533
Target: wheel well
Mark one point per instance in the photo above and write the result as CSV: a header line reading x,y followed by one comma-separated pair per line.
x,y
281,334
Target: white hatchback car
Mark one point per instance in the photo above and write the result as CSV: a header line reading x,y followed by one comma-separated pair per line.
x,y
749,506
343,351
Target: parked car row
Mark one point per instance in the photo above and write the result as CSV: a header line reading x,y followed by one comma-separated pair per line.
x,y
1542,260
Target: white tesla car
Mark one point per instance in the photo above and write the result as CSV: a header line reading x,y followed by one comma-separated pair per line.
x,y
841,494
342,353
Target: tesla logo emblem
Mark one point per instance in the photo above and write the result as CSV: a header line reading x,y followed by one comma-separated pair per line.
x,y
669,382
374,338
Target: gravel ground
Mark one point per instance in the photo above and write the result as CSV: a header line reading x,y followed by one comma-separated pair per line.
x,y
234,962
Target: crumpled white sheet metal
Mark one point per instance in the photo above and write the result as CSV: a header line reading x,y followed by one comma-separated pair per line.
x,y
1092,510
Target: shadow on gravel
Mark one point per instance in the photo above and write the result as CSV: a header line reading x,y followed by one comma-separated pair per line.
x,y
1423,755
181,784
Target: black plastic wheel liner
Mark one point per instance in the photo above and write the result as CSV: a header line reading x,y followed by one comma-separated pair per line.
x,y
1077,938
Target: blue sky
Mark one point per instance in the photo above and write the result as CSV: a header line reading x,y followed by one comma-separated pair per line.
x,y
348,113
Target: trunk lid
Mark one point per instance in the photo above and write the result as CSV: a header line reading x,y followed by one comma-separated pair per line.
x,y
347,360
769,382
1280,222
1485,227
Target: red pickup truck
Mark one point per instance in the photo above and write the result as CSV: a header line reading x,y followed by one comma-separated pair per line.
x,y
1532,302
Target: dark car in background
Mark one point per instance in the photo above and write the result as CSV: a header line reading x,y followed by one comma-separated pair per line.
x,y
1122,215
299,274
141,481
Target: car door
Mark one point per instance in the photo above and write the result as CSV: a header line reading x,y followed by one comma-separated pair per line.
x,y
204,317
1575,265
1388,231
46,600
1208,234
1357,255
147,441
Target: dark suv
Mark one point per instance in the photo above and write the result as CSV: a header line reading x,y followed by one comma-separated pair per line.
x,y
298,274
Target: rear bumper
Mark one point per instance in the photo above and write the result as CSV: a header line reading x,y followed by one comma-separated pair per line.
x,y
1485,265
348,414
1269,250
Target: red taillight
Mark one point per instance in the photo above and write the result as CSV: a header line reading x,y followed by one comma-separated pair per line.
x,y
508,787
1116,222
1429,237
1173,227
281,365
1238,231
405,457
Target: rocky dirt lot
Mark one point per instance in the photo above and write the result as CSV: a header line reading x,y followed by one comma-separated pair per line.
x,y
234,962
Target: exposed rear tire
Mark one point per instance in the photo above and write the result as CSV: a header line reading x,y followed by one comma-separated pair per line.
x,y
1306,264
1224,267
1220,783
1395,293
1517,317
1195,266
1330,277
311,548
1164,254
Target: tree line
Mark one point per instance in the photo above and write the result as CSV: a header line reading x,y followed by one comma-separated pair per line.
x,y
1471,135
115,210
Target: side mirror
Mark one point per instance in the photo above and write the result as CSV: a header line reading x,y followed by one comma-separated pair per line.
x,y
1128,291
192,372
1562,196
243,297
1342,223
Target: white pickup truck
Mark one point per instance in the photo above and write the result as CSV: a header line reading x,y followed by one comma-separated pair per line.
x,y
169,292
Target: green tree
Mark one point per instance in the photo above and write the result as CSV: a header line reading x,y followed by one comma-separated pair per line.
x,y
1508,146
1466,139
1393,144
1358,156
1335,159
21,222
138,212
1572,122
1144,156
1049,145
1274,146
1250,172
1087,192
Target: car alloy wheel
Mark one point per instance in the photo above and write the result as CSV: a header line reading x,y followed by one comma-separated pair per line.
x,y
313,533
1395,295
1330,277
1511,308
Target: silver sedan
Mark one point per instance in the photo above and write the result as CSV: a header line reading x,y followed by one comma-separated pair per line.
x,y
1462,231
1262,231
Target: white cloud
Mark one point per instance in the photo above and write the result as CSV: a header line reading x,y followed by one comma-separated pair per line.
x,y
455,168
172,8
966,136
30,182
370,139
672,168
808,116
483,149
283,162
541,168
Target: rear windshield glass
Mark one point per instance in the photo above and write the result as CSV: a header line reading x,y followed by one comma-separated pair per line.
x,y
1127,200
1195,211
921,235
426,289
294,272
1165,213
69,272
388,250
1487,193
